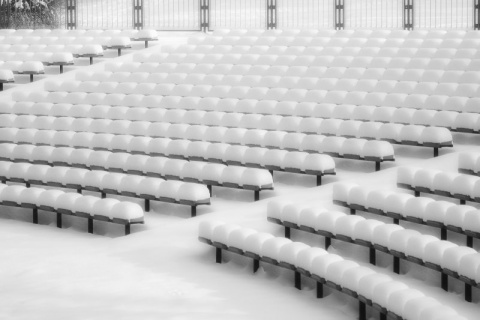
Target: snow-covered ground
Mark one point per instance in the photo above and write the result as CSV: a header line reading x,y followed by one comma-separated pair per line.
x,y
161,270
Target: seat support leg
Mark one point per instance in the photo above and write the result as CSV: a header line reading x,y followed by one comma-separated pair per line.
x,y
257,195
218,255
372,256
298,281
287,232
90,225
320,293
127,229
319,180
443,233
362,311
147,205
377,165
193,211
468,292
256,265
444,281
435,152
396,265
328,242
59,220
470,241
35,216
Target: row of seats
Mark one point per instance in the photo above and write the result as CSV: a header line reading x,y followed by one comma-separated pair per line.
x,y
342,50
273,160
212,174
328,66
73,204
401,206
449,184
134,82
325,41
149,188
460,262
352,33
338,60
350,71
271,132
371,288
469,163
339,147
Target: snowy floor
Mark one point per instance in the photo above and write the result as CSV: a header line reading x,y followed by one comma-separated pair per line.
x,y
161,270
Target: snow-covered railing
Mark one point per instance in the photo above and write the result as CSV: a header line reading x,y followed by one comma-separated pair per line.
x,y
148,188
401,206
448,184
72,204
410,245
210,174
469,163
387,296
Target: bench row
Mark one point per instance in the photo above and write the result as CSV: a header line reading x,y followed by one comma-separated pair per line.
x,y
323,41
459,262
211,174
247,130
338,147
467,85
72,204
449,184
469,163
148,188
342,50
445,215
385,295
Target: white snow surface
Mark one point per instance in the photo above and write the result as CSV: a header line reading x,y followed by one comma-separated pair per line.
x,y
162,271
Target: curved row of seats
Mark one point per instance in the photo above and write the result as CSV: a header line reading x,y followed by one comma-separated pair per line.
x,y
459,262
212,174
469,163
449,184
401,206
144,94
250,130
389,297
200,154
352,33
325,41
342,50
339,147
352,80
148,188
73,204
340,59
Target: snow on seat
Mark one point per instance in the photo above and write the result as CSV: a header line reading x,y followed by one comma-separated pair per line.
x,y
104,208
344,226
333,146
127,211
415,307
364,230
436,211
193,193
415,207
455,216
342,190
18,171
399,239
406,175
10,195
257,179
31,67
417,245
398,299
336,271
357,197
453,256
40,154
383,291
378,151
368,283
255,242
321,264
469,163
29,196
353,148
383,233
352,277
443,182
326,221
290,213
289,253
48,200
463,186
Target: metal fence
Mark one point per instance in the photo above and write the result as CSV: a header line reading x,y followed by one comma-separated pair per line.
x,y
253,14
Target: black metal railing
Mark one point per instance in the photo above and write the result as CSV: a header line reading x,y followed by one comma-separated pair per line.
x,y
248,14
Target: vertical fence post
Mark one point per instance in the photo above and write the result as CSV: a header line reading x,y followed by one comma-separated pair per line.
x,y
476,14
71,14
339,14
408,14
271,14
204,15
138,14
